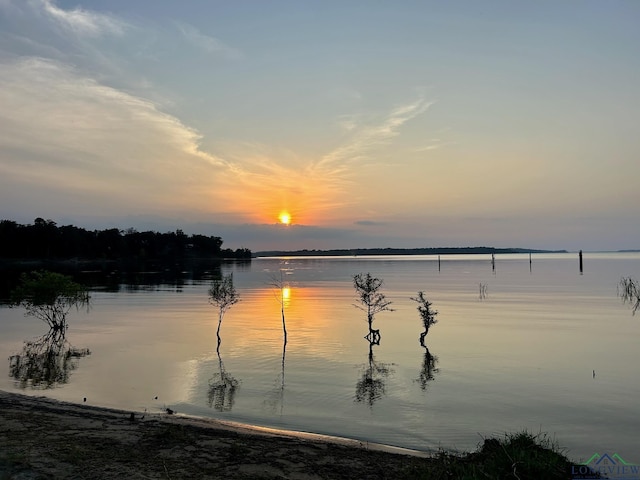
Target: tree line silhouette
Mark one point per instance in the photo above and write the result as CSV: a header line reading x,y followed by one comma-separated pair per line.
x,y
45,240
401,251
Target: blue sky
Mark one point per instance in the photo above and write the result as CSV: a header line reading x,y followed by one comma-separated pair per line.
x,y
373,124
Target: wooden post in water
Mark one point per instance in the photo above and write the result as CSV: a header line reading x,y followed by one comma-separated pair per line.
x,y
580,258
529,262
493,262
438,262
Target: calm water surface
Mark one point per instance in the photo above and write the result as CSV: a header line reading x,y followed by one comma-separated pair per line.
x,y
521,358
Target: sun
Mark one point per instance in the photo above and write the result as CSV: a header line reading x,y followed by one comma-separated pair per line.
x,y
285,218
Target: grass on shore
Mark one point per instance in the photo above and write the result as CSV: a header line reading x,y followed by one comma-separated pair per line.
x,y
520,456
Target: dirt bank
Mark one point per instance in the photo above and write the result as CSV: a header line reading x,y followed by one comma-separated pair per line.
x,y
42,438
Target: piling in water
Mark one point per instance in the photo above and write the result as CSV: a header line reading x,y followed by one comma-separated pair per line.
x,y
580,258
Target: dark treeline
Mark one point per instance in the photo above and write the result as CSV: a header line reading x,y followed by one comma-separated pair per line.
x,y
44,240
404,251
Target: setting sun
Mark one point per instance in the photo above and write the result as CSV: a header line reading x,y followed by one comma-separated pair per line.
x,y
284,218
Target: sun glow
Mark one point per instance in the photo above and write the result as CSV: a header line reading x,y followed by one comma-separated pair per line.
x,y
285,218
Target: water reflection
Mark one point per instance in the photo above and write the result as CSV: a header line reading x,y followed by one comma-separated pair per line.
x,y
222,388
372,384
428,370
45,362
286,295
275,398
141,275
282,292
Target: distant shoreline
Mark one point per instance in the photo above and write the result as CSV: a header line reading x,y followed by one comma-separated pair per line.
x,y
400,251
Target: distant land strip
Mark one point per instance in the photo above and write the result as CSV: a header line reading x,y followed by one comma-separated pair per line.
x,y
399,251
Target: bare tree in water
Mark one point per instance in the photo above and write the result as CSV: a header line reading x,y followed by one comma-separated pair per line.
x,y
49,296
427,315
223,295
372,301
280,286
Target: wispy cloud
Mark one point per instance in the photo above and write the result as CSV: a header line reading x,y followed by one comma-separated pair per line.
x,y
263,182
309,188
76,118
436,144
93,42
348,122
60,128
83,22
207,43
367,136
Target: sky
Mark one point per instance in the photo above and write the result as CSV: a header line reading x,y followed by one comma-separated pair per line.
x,y
370,123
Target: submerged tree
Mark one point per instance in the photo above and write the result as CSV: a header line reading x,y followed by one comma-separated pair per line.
x,y
49,296
629,292
223,386
281,292
223,295
280,287
372,301
427,315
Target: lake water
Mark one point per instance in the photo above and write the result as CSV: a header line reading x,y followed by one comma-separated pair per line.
x,y
523,357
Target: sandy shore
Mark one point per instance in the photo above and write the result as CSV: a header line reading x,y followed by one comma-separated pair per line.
x,y
42,438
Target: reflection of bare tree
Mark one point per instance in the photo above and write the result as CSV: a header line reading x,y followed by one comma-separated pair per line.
x,y
371,386
45,362
629,292
483,291
276,397
222,388
428,371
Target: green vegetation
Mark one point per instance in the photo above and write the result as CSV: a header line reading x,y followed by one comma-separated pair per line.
x,y
520,456
49,296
